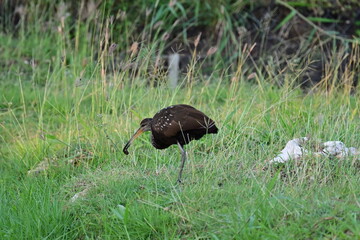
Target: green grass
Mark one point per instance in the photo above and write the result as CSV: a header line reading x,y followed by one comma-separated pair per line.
x,y
225,194
229,190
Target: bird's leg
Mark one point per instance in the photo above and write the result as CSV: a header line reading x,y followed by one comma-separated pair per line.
x,y
183,159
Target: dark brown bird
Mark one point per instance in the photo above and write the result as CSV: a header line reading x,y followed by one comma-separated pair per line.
x,y
177,124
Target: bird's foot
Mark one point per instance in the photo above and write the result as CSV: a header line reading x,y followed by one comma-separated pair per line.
x,y
179,181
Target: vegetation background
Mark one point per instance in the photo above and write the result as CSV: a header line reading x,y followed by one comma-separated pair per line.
x,y
77,77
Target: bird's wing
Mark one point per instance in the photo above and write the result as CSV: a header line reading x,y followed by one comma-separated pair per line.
x,y
187,119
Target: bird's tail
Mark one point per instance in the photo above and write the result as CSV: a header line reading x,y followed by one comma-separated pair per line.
x,y
212,128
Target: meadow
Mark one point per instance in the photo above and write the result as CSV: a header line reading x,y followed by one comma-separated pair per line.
x,y
66,105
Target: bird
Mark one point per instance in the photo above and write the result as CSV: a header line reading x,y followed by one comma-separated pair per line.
x,y
177,124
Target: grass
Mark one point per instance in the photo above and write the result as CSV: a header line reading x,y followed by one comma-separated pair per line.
x,y
66,103
226,193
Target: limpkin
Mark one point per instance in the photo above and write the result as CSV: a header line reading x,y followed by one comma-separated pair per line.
x,y
177,124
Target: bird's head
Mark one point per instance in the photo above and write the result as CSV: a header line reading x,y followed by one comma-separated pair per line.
x,y
145,125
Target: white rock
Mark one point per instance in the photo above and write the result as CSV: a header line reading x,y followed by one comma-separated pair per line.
x,y
295,150
334,147
338,149
292,150
353,151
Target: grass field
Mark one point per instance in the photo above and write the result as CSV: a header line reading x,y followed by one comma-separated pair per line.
x,y
225,194
72,114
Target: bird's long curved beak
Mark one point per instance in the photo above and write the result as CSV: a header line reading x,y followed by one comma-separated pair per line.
x,y
138,133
